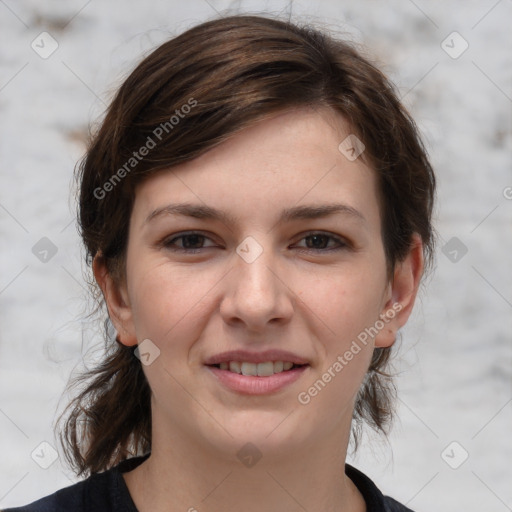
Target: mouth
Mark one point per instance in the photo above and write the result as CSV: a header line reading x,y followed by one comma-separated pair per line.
x,y
263,377
256,373
265,369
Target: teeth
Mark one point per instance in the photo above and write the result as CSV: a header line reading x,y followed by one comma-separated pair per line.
x,y
265,369
235,367
257,369
249,369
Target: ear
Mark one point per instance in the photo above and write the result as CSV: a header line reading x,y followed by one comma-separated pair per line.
x,y
116,298
401,294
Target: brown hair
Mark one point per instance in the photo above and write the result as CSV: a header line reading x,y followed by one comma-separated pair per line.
x,y
187,96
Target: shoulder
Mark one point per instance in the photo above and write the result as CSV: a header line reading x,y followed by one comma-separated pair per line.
x,y
77,497
392,505
70,498
101,492
375,500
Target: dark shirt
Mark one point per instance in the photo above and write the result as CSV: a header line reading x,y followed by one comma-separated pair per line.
x,y
107,492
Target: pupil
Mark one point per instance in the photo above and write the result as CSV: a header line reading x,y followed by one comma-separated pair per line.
x,y
316,237
188,237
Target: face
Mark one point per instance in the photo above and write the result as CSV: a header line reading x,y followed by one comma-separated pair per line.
x,y
277,255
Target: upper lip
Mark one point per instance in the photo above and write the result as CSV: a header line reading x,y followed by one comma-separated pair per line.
x,y
255,357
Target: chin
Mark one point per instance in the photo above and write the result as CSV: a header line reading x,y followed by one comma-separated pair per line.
x,y
269,432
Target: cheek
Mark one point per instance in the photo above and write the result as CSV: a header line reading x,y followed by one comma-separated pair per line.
x,y
344,306
344,300
169,303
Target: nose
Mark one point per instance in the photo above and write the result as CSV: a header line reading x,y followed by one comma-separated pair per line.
x,y
257,292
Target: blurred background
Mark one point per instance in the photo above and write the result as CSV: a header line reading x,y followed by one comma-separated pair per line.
x,y
61,61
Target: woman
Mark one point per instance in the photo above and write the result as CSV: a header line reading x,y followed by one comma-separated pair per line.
x,y
256,208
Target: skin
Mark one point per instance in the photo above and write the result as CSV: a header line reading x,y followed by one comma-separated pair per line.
x,y
312,303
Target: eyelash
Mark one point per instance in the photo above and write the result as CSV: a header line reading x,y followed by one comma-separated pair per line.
x,y
167,243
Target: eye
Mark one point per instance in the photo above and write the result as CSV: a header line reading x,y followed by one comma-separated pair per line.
x,y
319,241
191,242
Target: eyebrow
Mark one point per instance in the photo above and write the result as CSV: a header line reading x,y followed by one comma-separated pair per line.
x,y
199,211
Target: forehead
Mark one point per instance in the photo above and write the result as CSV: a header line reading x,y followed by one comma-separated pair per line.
x,y
281,162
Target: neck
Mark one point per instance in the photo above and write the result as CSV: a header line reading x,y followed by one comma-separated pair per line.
x,y
181,475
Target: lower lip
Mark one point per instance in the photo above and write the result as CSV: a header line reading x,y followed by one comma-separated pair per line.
x,y
253,385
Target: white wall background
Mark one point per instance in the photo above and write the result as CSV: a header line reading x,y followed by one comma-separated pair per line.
x,y
455,361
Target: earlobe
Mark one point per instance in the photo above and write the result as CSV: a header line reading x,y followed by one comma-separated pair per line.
x,y
402,294
116,299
